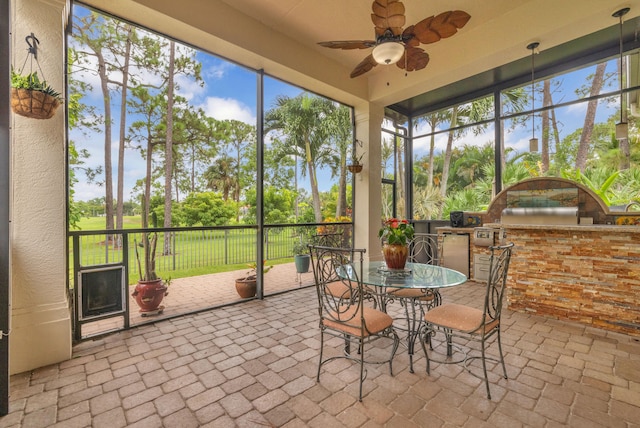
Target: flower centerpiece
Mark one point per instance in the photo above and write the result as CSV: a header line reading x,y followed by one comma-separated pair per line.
x,y
396,235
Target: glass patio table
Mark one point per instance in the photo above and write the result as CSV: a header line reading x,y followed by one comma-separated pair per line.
x,y
414,276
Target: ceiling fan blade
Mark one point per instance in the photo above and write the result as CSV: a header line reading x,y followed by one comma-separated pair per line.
x,y
348,44
434,28
388,15
409,37
365,65
413,59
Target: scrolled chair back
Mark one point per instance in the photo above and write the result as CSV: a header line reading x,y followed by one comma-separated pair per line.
x,y
337,273
425,248
496,284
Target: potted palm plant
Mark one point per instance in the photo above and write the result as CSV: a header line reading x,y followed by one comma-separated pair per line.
x,y
246,286
32,97
150,289
301,257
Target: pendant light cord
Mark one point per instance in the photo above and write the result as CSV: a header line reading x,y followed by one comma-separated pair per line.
x,y
621,100
619,14
533,46
533,95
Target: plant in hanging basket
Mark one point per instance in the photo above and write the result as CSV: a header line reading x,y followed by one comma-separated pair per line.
x,y
32,97
355,165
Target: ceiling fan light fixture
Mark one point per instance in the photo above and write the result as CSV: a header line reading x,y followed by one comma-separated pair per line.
x,y
387,53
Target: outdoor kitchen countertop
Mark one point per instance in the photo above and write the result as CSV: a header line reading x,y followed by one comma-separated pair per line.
x,y
575,227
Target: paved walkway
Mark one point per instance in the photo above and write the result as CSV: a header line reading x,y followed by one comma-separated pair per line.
x,y
254,364
202,292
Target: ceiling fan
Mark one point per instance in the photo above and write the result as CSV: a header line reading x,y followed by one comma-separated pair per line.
x,y
393,45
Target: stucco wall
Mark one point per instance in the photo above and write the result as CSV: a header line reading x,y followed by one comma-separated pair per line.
x,y
40,320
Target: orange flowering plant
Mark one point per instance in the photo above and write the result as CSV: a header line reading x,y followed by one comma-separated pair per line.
x,y
396,231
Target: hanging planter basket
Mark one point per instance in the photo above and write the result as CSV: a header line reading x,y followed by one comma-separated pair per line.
x,y
355,168
31,96
33,104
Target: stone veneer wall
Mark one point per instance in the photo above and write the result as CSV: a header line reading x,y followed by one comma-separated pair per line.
x,y
586,274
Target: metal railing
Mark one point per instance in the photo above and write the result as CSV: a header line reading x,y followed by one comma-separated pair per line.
x,y
196,248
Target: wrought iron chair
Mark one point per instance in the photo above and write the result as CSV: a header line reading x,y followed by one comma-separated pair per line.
x,y
344,314
327,239
424,248
470,323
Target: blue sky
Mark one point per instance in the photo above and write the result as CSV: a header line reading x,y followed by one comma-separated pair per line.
x,y
229,92
569,118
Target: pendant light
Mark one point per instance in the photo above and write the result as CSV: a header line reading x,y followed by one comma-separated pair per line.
x,y
533,142
622,127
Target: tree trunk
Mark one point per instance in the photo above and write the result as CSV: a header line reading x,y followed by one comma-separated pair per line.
x,y
589,119
432,147
447,158
108,167
168,165
400,178
341,203
315,194
123,128
146,197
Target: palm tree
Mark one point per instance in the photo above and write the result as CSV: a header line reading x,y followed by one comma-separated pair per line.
x,y
304,123
220,176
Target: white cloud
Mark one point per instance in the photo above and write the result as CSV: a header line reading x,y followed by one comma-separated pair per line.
x,y
228,108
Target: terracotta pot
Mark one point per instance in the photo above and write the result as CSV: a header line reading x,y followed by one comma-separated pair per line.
x,y
246,287
149,294
395,255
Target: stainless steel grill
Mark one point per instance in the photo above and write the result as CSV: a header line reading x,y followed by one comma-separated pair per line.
x,y
540,215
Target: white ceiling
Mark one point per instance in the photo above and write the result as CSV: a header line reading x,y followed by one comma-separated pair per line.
x,y
281,36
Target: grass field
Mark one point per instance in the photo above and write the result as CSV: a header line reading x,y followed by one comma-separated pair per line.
x,y
192,253
99,223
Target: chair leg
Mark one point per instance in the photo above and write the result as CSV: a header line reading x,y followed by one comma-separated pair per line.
x,y
412,326
320,361
504,369
347,345
449,337
484,369
394,349
360,345
425,336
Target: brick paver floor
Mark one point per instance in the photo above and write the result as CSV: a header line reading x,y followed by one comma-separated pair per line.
x,y
197,293
253,365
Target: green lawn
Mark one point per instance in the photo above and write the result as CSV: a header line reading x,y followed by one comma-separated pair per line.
x,y
192,253
99,223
